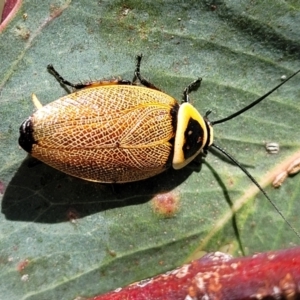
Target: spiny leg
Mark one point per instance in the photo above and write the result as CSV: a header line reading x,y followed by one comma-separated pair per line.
x,y
81,85
137,75
194,86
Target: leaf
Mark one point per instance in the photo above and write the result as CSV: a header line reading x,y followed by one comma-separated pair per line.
x,y
69,237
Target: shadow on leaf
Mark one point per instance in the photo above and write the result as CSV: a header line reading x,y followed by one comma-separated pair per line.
x,y
43,194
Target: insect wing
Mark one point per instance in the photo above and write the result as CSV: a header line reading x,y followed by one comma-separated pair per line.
x,y
106,134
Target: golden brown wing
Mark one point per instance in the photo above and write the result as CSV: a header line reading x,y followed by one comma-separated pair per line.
x,y
106,134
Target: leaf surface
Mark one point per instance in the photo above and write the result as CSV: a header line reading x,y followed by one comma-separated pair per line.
x,y
78,238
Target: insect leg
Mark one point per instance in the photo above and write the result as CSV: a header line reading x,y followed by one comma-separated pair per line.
x,y
137,75
88,84
194,86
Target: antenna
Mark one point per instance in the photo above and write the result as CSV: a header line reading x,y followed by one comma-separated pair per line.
x,y
257,184
237,163
254,102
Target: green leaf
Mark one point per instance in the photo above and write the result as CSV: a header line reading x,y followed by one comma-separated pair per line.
x,y
62,237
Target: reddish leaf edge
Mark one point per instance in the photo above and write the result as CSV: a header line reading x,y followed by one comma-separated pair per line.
x,y
268,275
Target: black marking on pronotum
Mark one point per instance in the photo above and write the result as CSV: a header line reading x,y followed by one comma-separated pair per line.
x,y
193,138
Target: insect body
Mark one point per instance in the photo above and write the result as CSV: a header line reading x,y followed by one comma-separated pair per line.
x,y
112,133
117,131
